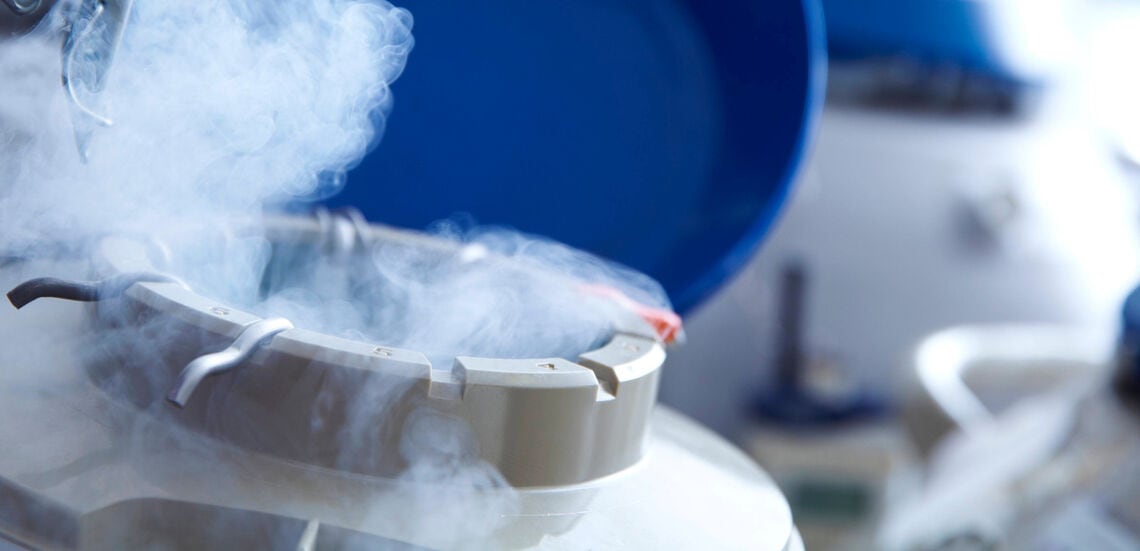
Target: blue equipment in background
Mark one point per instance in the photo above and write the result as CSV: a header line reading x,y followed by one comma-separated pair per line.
x,y
663,135
1020,44
939,31
1128,370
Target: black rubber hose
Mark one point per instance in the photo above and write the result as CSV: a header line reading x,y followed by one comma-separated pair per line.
x,y
40,287
85,291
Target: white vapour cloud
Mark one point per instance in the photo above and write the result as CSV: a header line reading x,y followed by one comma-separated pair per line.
x,y
219,107
222,108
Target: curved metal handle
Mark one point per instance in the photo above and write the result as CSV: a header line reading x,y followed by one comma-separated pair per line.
x,y
23,7
942,359
19,17
96,31
253,336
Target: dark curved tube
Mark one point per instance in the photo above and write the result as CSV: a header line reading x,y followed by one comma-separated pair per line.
x,y
40,287
85,291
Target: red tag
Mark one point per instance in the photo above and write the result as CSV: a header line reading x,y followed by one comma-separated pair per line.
x,y
666,323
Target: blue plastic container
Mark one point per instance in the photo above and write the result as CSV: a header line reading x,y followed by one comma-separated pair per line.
x,y
663,135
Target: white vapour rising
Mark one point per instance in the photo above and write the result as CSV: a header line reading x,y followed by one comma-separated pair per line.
x,y
219,107
222,108
497,294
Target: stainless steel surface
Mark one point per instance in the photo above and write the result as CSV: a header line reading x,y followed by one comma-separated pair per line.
x,y
254,335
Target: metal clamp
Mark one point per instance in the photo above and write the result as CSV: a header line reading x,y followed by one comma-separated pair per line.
x,y
343,240
308,539
86,291
253,336
360,228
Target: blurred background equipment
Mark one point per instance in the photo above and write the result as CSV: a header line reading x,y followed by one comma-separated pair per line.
x,y
1030,435
968,170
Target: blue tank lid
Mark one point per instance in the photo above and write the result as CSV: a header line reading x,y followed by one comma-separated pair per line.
x,y
663,135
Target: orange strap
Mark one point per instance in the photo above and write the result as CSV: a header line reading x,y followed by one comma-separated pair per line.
x,y
666,322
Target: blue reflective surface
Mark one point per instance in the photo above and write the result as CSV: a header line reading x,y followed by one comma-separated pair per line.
x,y
659,134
